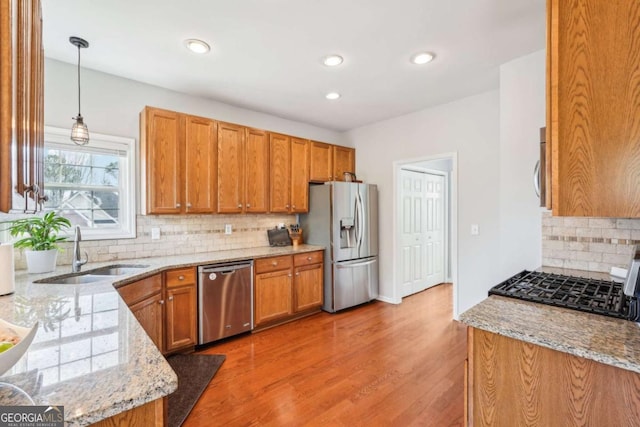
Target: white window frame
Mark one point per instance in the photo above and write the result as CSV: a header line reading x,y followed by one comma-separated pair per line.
x,y
127,230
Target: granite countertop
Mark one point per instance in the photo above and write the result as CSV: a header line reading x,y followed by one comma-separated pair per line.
x,y
90,354
611,341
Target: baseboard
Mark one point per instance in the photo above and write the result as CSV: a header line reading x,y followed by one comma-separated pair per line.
x,y
389,300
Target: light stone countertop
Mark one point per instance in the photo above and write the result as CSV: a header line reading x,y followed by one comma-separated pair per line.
x,y
90,354
611,341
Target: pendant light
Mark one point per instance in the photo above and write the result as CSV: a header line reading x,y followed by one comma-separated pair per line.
x,y
79,131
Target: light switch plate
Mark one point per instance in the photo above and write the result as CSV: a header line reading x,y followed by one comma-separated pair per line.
x,y
227,229
155,233
475,230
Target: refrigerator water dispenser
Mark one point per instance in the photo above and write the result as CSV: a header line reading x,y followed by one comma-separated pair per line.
x,y
347,233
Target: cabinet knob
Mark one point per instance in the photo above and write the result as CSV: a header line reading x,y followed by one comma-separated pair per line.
x,y
188,205
274,263
287,206
248,205
297,273
239,205
181,277
170,298
309,258
294,206
161,302
177,205
289,274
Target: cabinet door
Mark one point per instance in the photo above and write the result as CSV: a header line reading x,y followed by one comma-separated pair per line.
x,y
299,175
257,175
594,108
280,173
230,168
149,314
307,287
321,167
272,296
200,165
344,160
181,317
161,141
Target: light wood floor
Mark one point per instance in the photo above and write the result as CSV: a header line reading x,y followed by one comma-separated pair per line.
x,y
376,365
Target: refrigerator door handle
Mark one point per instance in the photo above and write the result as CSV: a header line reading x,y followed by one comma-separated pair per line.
x,y
362,225
353,264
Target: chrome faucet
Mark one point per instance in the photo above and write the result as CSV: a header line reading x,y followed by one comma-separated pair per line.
x,y
77,262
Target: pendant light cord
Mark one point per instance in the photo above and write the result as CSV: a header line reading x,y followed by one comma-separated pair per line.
x,y
79,115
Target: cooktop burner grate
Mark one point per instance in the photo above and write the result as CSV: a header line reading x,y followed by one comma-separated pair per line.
x,y
578,293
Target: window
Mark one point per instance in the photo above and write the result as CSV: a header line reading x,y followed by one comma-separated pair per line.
x,y
91,185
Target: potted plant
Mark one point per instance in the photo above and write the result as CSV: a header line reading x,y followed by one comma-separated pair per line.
x,y
41,241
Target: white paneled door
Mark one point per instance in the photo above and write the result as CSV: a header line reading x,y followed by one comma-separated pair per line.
x,y
421,205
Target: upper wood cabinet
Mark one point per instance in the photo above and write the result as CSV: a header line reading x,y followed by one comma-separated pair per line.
x,y
344,160
330,162
243,174
321,167
299,175
593,107
178,162
280,173
21,103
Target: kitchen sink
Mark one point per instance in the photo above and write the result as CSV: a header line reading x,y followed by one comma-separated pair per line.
x,y
116,269
99,274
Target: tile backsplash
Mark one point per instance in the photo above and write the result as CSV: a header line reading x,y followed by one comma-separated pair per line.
x,y
179,235
595,244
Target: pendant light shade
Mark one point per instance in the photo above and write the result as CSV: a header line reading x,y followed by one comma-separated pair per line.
x,y
79,131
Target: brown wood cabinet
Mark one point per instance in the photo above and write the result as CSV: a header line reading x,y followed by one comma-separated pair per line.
x,y
166,307
21,103
243,174
510,382
181,309
287,287
593,109
152,414
145,300
178,161
330,162
289,169
344,160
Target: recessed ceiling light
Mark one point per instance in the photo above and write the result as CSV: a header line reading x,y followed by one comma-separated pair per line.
x,y
332,60
197,46
332,95
422,58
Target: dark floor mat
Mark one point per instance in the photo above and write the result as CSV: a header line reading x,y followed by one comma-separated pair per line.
x,y
194,371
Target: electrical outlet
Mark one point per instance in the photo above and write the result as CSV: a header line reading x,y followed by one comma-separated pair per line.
x,y
475,230
155,233
227,229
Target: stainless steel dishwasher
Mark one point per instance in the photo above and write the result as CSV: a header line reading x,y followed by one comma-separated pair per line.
x,y
225,300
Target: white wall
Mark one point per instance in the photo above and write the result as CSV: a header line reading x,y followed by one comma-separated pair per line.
x,y
469,127
522,114
111,105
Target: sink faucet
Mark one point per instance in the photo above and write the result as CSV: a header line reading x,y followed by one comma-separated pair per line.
x,y
77,262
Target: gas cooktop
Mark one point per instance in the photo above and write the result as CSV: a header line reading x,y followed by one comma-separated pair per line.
x,y
577,293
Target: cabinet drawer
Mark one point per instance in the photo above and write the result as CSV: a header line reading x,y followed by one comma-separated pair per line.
x,y
265,265
180,277
308,258
137,291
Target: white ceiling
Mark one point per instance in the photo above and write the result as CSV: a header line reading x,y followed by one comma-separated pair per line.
x,y
266,54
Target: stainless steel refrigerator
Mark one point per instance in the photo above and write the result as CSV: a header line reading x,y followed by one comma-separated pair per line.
x,y
343,217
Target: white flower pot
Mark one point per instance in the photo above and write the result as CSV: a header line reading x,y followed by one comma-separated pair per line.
x,y
41,261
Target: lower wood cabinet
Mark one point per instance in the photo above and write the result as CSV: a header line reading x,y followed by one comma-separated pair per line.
x,y
152,414
513,383
287,287
166,306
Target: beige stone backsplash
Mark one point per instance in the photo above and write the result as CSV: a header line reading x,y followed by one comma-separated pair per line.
x,y
594,244
180,235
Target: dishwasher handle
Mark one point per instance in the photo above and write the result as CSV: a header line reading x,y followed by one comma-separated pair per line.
x,y
223,269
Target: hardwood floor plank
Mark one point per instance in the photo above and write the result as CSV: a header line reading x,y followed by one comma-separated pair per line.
x,y
375,365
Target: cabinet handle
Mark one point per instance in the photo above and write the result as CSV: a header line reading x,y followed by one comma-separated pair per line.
x,y
181,277
239,205
161,302
171,298
177,205
248,205
188,205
